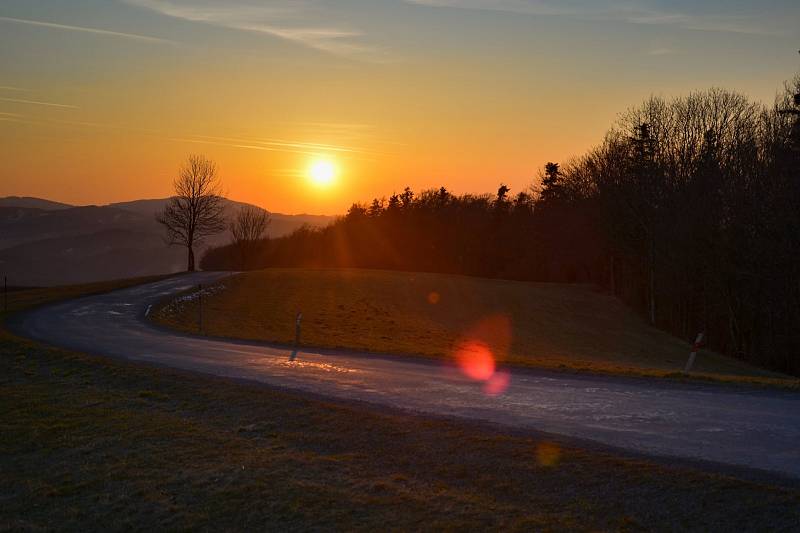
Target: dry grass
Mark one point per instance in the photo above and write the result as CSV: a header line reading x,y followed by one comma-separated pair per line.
x,y
89,443
27,298
94,444
549,325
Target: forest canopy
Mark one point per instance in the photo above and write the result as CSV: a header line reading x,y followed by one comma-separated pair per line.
x,y
688,210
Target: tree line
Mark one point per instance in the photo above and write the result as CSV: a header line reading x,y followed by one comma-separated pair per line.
x,y
688,210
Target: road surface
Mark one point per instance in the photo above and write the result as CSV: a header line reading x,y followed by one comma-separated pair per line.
x,y
742,427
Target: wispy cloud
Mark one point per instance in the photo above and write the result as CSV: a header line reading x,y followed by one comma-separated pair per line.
x,y
261,144
10,88
528,7
283,19
661,52
37,102
277,145
632,13
233,143
710,23
96,31
10,117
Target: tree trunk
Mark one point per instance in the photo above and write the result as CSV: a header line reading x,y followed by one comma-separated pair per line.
x,y
613,276
190,266
652,282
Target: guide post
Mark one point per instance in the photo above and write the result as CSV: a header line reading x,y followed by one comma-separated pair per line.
x,y
297,324
692,356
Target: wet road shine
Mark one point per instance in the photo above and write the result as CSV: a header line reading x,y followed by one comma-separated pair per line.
x,y
745,427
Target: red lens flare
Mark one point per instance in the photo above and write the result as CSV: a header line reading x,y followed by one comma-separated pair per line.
x,y
475,360
477,354
498,383
495,332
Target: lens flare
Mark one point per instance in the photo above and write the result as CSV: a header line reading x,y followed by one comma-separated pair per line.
x,y
476,360
495,332
497,383
479,350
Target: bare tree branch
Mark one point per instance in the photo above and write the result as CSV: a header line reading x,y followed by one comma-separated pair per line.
x,y
247,229
197,209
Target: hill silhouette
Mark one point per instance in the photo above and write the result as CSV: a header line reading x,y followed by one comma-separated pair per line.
x,y
50,243
32,202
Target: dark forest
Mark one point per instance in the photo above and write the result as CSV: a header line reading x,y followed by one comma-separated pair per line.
x,y
688,210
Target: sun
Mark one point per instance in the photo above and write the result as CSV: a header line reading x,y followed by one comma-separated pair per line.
x,y
322,172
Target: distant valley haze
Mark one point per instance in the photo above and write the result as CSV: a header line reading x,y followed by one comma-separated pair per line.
x,y
43,242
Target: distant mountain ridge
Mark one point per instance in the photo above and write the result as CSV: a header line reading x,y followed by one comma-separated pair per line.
x,y
30,201
49,243
280,223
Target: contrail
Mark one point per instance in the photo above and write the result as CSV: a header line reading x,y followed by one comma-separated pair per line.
x,y
144,38
35,102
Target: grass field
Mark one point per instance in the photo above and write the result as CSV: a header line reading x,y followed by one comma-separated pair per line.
x,y
88,443
27,298
533,324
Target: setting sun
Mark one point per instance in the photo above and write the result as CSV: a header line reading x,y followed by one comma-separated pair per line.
x,y
322,172
434,264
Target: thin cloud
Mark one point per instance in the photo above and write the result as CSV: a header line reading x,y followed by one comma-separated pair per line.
x,y
309,149
527,7
284,20
661,52
708,23
234,144
10,117
628,13
266,145
287,145
36,102
334,125
96,31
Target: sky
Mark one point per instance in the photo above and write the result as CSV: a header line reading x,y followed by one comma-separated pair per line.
x,y
102,100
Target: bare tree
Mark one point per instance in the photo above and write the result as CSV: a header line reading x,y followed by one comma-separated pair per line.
x,y
247,228
196,210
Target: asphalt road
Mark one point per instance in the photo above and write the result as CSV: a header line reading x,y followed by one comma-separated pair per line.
x,y
742,427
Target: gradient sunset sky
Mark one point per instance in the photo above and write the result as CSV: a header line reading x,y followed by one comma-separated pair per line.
x,y
101,100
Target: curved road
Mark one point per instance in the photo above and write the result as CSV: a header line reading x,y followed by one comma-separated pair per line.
x,y
742,427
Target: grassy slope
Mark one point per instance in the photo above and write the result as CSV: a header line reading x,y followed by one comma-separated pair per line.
x,y
551,325
93,443
27,298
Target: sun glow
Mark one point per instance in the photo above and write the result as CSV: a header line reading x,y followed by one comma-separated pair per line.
x,y
322,172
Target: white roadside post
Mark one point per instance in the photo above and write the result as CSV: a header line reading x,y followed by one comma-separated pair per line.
x,y
695,347
297,323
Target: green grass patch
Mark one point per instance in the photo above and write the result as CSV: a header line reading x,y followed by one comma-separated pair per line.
x,y
547,325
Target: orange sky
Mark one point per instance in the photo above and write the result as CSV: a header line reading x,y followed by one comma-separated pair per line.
x,y
101,102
